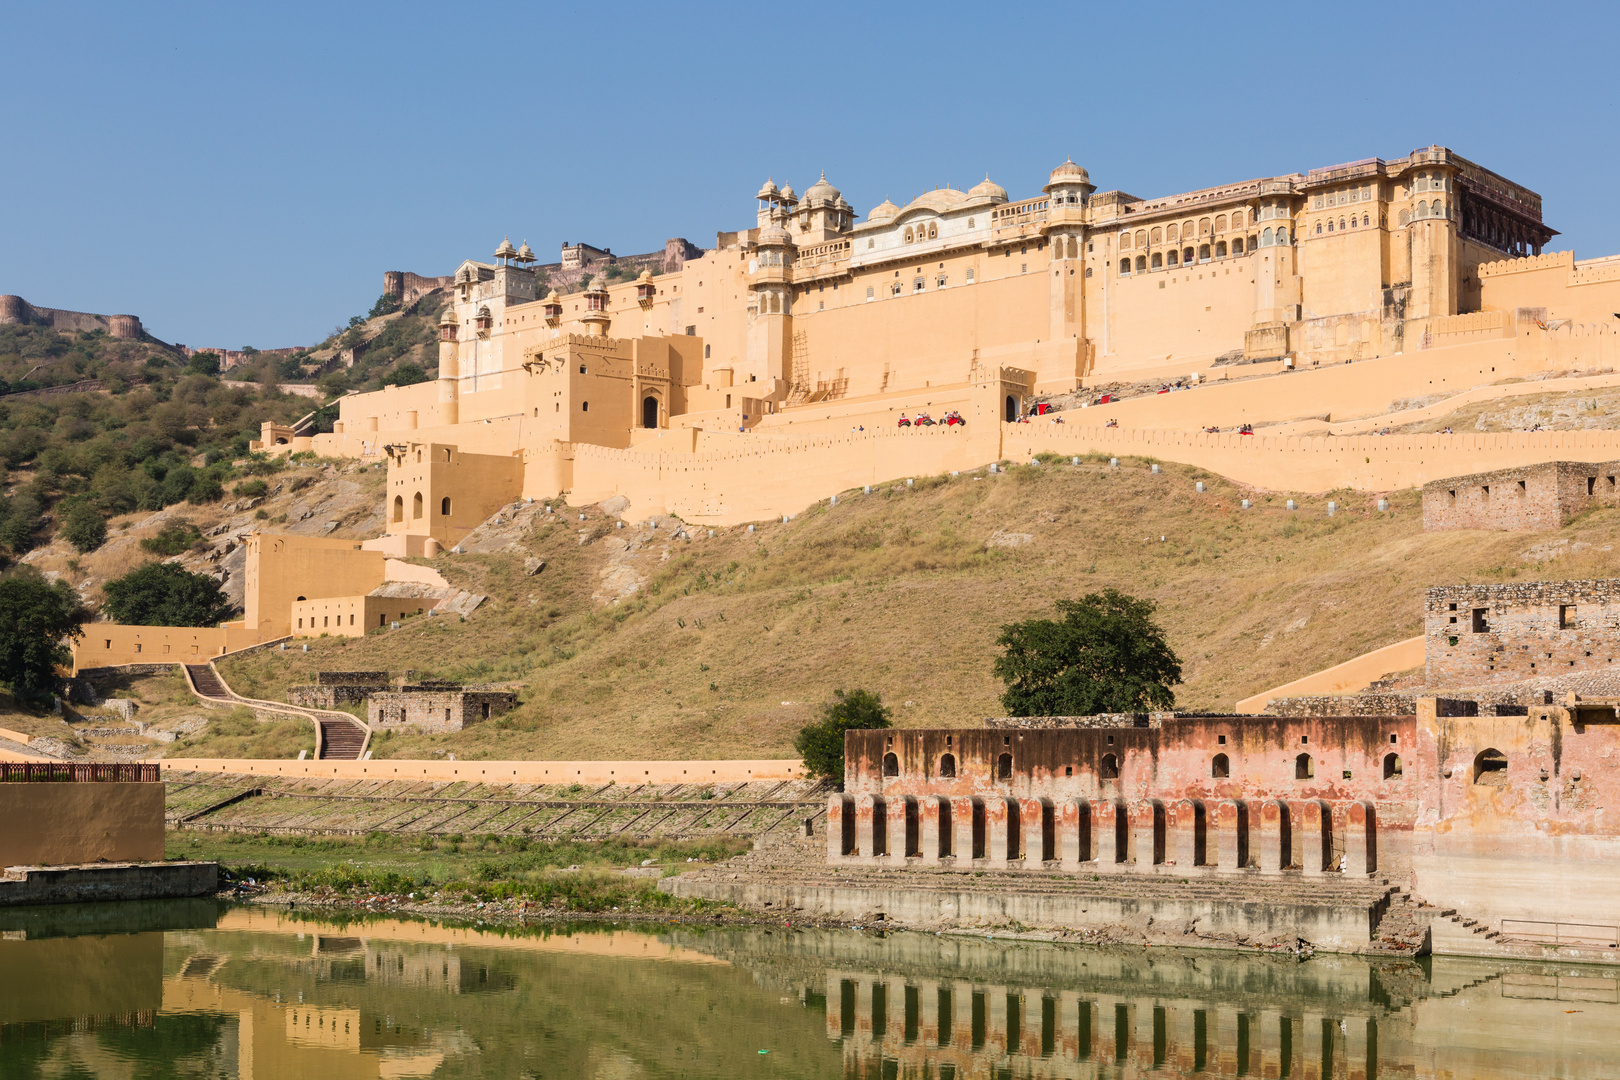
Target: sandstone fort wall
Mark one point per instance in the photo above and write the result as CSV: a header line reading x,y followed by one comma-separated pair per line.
x,y
1491,634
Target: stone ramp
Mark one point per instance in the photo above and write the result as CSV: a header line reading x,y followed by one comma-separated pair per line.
x,y
339,736
300,806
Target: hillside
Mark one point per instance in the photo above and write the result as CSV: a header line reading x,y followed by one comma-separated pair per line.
x,y
632,642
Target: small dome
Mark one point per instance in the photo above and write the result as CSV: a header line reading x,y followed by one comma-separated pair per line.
x,y
821,191
448,318
552,297
1068,173
645,275
506,250
596,285
768,190
883,211
787,194
843,204
774,236
988,189
525,253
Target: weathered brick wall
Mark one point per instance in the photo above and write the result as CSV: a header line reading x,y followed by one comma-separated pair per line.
x,y
351,678
1483,634
436,710
328,697
1344,705
1101,720
1542,496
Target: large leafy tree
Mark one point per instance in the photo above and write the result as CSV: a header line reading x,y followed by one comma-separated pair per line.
x,y
37,620
1103,654
821,743
163,594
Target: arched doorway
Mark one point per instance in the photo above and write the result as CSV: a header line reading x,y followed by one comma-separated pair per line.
x,y
1012,409
399,508
649,412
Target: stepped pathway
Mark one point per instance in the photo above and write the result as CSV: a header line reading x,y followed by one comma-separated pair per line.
x,y
339,736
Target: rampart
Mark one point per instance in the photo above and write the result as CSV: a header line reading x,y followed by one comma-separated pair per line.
x,y
435,709
1545,495
14,309
1492,634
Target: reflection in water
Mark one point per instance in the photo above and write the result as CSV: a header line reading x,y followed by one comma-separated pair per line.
x,y
249,993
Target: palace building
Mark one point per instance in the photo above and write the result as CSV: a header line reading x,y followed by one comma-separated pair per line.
x,y
818,322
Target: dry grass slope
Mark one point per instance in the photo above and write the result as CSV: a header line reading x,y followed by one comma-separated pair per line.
x,y
733,640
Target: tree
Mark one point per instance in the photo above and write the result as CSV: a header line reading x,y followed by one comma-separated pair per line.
x,y
163,594
405,373
37,619
85,528
821,744
1106,654
203,363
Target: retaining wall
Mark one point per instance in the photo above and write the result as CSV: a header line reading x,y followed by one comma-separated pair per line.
x,y
508,772
107,881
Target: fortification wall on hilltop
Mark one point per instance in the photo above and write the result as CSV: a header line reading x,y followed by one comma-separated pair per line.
x,y
14,309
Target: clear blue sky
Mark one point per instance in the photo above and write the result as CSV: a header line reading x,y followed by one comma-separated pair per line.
x,y
243,175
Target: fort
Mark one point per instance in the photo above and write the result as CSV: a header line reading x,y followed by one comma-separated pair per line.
x,y
785,364
14,309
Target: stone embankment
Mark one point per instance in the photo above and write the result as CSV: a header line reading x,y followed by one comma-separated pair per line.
x,y
355,807
1248,911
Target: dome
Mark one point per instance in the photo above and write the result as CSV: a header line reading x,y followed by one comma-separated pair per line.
x,y
787,194
768,190
596,285
552,297
525,253
774,236
1067,173
645,275
506,250
843,204
448,318
988,189
883,211
821,191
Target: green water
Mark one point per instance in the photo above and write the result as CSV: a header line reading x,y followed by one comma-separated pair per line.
x,y
195,989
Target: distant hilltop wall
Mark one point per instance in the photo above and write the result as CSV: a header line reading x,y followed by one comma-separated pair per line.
x,y
408,288
14,309
229,358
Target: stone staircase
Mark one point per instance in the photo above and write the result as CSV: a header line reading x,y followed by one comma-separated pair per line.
x,y
1403,926
341,736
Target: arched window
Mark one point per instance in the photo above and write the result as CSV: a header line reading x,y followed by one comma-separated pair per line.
x,y
940,284
1365,220
444,506
1318,228
1004,767
1220,249
1012,409
1490,768
1187,231
1330,226
1304,767
1341,224
1124,267
584,406
947,765
1265,238
1172,258
1392,766
416,506
1220,222
908,236
1124,241
1237,245
1141,238
1141,263
1221,767
1158,261
1352,221
399,508
1187,257
891,765
894,290
933,231
649,412
869,293
1108,769
1405,219
918,285
1237,220
1172,232
1203,253
1203,226
1158,236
